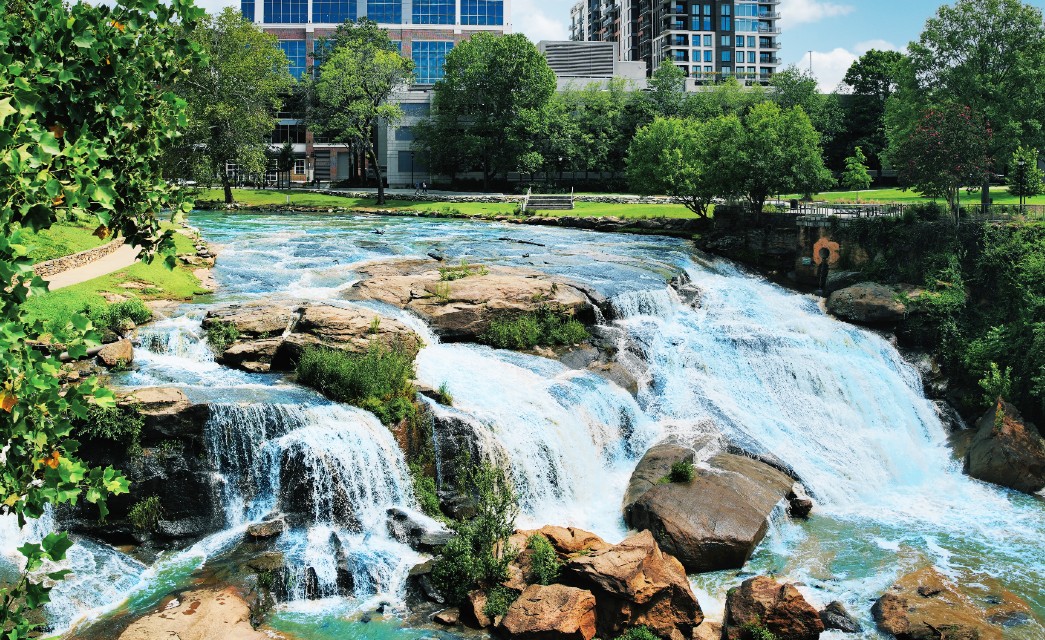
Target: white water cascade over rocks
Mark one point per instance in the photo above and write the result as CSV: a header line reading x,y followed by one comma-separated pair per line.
x,y
750,363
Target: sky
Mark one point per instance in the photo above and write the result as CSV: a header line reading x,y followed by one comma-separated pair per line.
x,y
836,31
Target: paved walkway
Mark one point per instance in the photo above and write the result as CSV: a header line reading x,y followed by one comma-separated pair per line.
x,y
122,258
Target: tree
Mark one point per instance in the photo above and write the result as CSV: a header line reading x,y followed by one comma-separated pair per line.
x,y
990,56
947,149
354,91
234,95
285,160
60,160
876,74
667,91
855,177
1025,178
794,88
781,153
493,88
691,161
870,81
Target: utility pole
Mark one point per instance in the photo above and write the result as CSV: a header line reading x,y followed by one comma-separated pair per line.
x,y
810,62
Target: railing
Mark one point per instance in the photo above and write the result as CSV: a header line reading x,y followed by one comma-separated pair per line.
x,y
526,200
973,213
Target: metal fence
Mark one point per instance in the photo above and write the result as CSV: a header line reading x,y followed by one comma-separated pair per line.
x,y
972,213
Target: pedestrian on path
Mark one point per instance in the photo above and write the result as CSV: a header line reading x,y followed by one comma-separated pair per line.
x,y
424,188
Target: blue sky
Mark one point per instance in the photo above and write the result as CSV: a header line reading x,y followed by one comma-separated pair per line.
x,y
836,31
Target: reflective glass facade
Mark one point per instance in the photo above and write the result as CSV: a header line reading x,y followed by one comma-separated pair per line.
x,y
385,11
286,11
482,12
429,57
435,11
295,50
333,11
247,7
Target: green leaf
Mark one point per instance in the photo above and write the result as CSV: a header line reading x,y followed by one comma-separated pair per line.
x,y
56,544
6,110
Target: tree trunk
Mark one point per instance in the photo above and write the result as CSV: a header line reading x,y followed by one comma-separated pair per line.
x,y
227,186
985,195
372,154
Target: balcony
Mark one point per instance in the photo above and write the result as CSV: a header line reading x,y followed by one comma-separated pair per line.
x,y
768,29
773,44
769,60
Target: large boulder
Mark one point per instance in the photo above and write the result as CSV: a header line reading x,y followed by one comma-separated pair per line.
x,y
926,606
1008,451
554,612
779,608
117,354
253,320
636,584
716,520
461,310
199,615
868,303
420,532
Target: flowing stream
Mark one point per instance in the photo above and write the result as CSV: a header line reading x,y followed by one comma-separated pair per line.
x,y
765,367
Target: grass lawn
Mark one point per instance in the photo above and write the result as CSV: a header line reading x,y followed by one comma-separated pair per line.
x,y
147,282
1000,194
62,239
268,197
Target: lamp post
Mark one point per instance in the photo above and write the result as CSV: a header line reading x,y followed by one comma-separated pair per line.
x,y
560,168
1022,164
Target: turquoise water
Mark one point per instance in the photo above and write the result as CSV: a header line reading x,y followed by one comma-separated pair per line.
x,y
759,364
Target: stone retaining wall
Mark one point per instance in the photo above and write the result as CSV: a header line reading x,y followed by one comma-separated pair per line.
x,y
58,265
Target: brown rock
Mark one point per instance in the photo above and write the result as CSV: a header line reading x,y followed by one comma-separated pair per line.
x,y
266,561
263,319
267,529
462,309
636,584
781,609
168,414
567,541
925,606
653,467
199,615
254,355
354,329
117,354
867,303
448,617
474,610
1007,451
708,630
554,612
713,522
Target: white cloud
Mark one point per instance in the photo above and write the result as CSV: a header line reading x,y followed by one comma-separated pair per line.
x,y
796,12
536,24
829,67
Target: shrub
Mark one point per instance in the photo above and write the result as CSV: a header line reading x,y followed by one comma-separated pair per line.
x,y
449,274
544,563
115,316
444,396
425,491
116,424
442,291
499,600
754,631
221,335
478,553
997,383
378,380
544,327
681,471
146,514
638,633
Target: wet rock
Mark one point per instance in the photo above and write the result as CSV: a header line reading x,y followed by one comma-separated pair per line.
x,y
799,504
716,520
117,354
867,303
567,541
925,606
836,616
462,309
636,584
448,617
456,437
841,279
779,608
354,329
420,533
267,529
255,355
267,561
419,584
1007,450
199,615
168,415
263,319
554,612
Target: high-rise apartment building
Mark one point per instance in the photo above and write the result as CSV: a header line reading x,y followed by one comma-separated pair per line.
x,y
708,39
424,30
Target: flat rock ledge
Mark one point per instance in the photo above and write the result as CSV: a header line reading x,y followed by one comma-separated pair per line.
x,y
200,615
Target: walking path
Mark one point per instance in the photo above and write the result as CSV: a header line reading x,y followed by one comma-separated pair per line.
x,y
122,258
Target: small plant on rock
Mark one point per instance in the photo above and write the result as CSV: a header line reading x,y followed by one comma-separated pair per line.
x,y
638,633
442,291
499,600
444,396
146,514
755,631
681,471
221,335
544,563
375,325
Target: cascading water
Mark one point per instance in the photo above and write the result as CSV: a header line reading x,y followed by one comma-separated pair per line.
x,y
762,366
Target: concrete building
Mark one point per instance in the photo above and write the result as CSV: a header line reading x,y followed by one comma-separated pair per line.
x,y
425,31
579,64
708,39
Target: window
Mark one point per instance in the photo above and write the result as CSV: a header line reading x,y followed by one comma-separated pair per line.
x,y
727,23
404,134
751,57
740,41
434,11
482,12
727,71
333,11
727,56
709,55
286,11
247,7
299,166
725,41
709,40
415,109
707,10
429,58
385,11
295,50
293,133
707,23
751,42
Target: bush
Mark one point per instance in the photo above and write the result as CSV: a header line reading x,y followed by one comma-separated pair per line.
x,y
444,396
478,554
499,600
638,633
544,327
449,274
115,316
116,424
146,514
544,563
221,335
681,471
997,383
753,631
378,380
425,491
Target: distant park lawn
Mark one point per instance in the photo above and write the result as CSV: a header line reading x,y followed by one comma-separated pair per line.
x,y
309,199
1000,195
62,239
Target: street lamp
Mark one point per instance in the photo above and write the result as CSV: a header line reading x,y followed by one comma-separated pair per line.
x,y
560,168
1022,164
